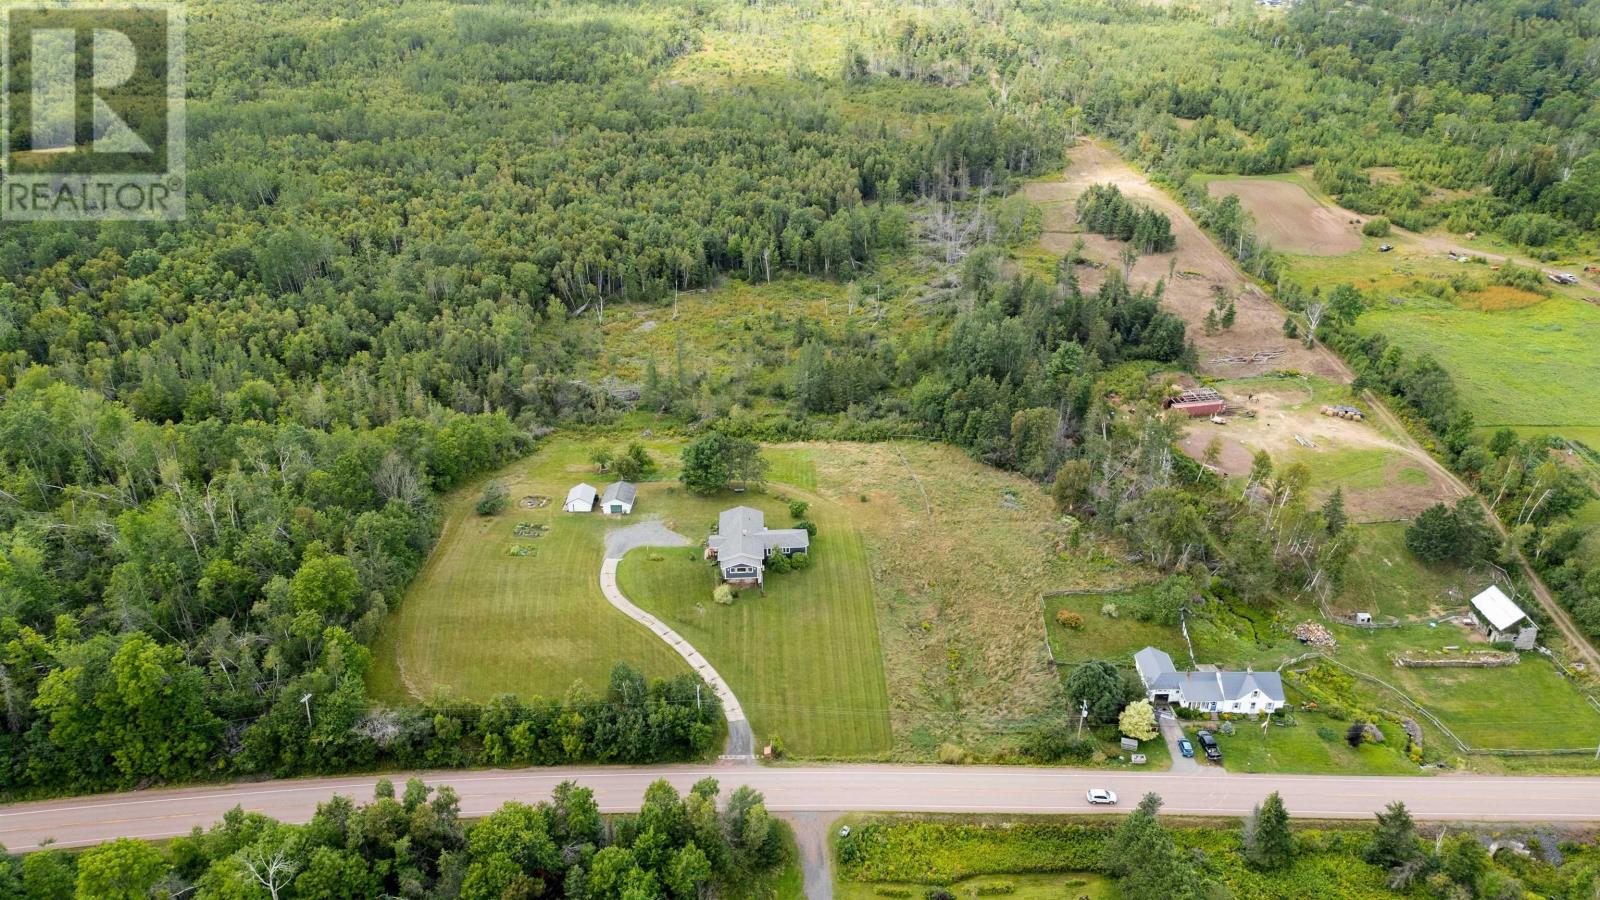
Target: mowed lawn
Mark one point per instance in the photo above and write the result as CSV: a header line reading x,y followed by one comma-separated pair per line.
x,y
478,621
803,656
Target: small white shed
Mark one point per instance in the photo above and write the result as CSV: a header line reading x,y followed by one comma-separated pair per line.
x,y
581,499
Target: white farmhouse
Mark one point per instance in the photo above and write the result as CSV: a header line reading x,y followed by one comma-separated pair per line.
x,y
1221,692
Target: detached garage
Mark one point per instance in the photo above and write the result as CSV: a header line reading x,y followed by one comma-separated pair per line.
x,y
618,499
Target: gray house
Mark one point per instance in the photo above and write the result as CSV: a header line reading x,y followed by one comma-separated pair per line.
x,y
743,543
618,498
1222,692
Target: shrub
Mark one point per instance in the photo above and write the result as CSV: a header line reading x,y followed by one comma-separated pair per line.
x,y
883,891
952,755
778,564
999,887
1068,619
1109,610
494,498
808,525
724,595
1377,226
800,561
797,509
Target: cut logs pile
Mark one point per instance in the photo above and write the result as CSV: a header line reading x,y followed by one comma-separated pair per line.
x,y
1248,358
1315,635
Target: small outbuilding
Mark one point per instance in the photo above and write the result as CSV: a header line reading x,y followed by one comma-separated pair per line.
x,y
1502,621
581,499
1197,403
618,498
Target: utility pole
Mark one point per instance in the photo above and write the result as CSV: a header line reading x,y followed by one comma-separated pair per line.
x,y
697,703
306,700
1083,713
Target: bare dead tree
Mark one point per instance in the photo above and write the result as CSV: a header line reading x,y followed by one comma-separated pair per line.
x,y
274,872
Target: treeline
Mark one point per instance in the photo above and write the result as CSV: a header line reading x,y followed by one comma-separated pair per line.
x,y
1103,210
414,843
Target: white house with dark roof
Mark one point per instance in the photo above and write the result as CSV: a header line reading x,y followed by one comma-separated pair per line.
x,y
743,543
1503,621
618,498
1220,692
581,498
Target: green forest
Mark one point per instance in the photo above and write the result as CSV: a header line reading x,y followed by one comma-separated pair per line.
x,y
223,439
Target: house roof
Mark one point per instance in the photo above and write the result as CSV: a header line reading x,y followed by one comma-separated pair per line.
x,y
620,490
581,494
743,536
1152,665
1497,608
1159,674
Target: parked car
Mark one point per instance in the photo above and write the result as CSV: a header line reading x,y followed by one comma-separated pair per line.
x,y
1209,745
1102,797
1186,748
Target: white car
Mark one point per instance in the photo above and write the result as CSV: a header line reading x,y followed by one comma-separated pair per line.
x,y
1102,797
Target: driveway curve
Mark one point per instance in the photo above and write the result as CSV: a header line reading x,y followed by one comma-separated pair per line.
x,y
741,739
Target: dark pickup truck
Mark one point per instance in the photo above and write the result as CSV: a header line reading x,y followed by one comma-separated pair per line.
x,y
1209,745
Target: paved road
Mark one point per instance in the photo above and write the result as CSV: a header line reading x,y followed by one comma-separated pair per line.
x,y
741,740
971,789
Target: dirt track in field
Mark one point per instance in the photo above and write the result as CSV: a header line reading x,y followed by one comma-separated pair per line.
x,y
1197,272
1290,219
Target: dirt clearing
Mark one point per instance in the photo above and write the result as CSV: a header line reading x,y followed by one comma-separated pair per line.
x,y
1382,479
1197,272
1290,219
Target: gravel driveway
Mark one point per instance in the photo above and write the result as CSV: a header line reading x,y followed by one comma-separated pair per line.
x,y
645,533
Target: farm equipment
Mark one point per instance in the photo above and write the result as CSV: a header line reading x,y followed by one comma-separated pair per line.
x,y
1385,248
1562,277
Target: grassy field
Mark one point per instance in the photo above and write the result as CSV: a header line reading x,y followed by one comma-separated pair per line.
x,y
1064,886
1103,637
960,554
1383,578
803,655
1531,368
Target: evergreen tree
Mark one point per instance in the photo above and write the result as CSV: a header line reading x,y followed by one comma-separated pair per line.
x,y
1395,840
1333,514
1268,843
